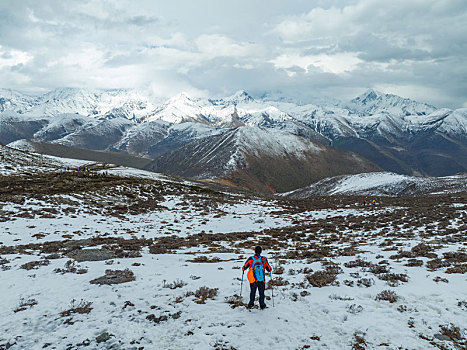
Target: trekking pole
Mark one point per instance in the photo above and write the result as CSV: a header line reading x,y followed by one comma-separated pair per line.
x,y
241,285
272,289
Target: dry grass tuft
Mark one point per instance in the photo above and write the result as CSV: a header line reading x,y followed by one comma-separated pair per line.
x,y
25,304
204,259
393,279
83,307
204,293
359,342
461,268
235,301
321,278
387,295
176,284
35,264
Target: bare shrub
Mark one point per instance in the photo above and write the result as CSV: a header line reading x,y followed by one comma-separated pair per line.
x,y
321,278
153,318
453,333
204,293
440,279
462,268
277,282
338,297
128,304
204,259
279,270
3,264
357,263
71,267
401,254
359,342
222,345
436,264
387,295
234,301
366,282
176,284
423,249
393,279
414,263
35,264
332,267
455,257
378,269
83,307
24,304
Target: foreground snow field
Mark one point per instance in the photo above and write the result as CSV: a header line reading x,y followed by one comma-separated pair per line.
x,y
390,276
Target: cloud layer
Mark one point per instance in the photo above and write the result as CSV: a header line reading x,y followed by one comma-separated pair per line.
x,y
303,49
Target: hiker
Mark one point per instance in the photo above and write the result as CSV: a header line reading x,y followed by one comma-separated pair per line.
x,y
256,276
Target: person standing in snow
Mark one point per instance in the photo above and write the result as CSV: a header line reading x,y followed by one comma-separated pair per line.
x,y
257,264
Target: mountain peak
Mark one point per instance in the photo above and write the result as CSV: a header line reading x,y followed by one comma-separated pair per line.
x,y
372,102
241,96
181,97
368,96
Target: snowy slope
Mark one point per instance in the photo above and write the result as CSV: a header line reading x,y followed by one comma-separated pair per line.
x,y
381,184
18,160
260,141
16,101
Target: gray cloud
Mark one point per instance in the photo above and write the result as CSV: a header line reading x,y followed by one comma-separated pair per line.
x,y
305,49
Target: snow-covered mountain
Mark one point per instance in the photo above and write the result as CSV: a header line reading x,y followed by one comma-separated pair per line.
x,y
97,103
373,102
395,133
11,100
266,160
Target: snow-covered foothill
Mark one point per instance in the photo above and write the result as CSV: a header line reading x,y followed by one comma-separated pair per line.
x,y
380,184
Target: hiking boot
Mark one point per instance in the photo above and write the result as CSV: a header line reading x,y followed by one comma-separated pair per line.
x,y
263,307
249,306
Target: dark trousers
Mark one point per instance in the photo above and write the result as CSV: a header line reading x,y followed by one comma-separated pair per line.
x,y
260,286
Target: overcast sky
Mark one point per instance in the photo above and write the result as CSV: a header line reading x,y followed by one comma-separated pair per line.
x,y
300,48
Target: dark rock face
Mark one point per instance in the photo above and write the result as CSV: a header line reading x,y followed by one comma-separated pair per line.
x,y
115,277
91,255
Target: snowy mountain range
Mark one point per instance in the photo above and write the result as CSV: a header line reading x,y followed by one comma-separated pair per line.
x,y
186,133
